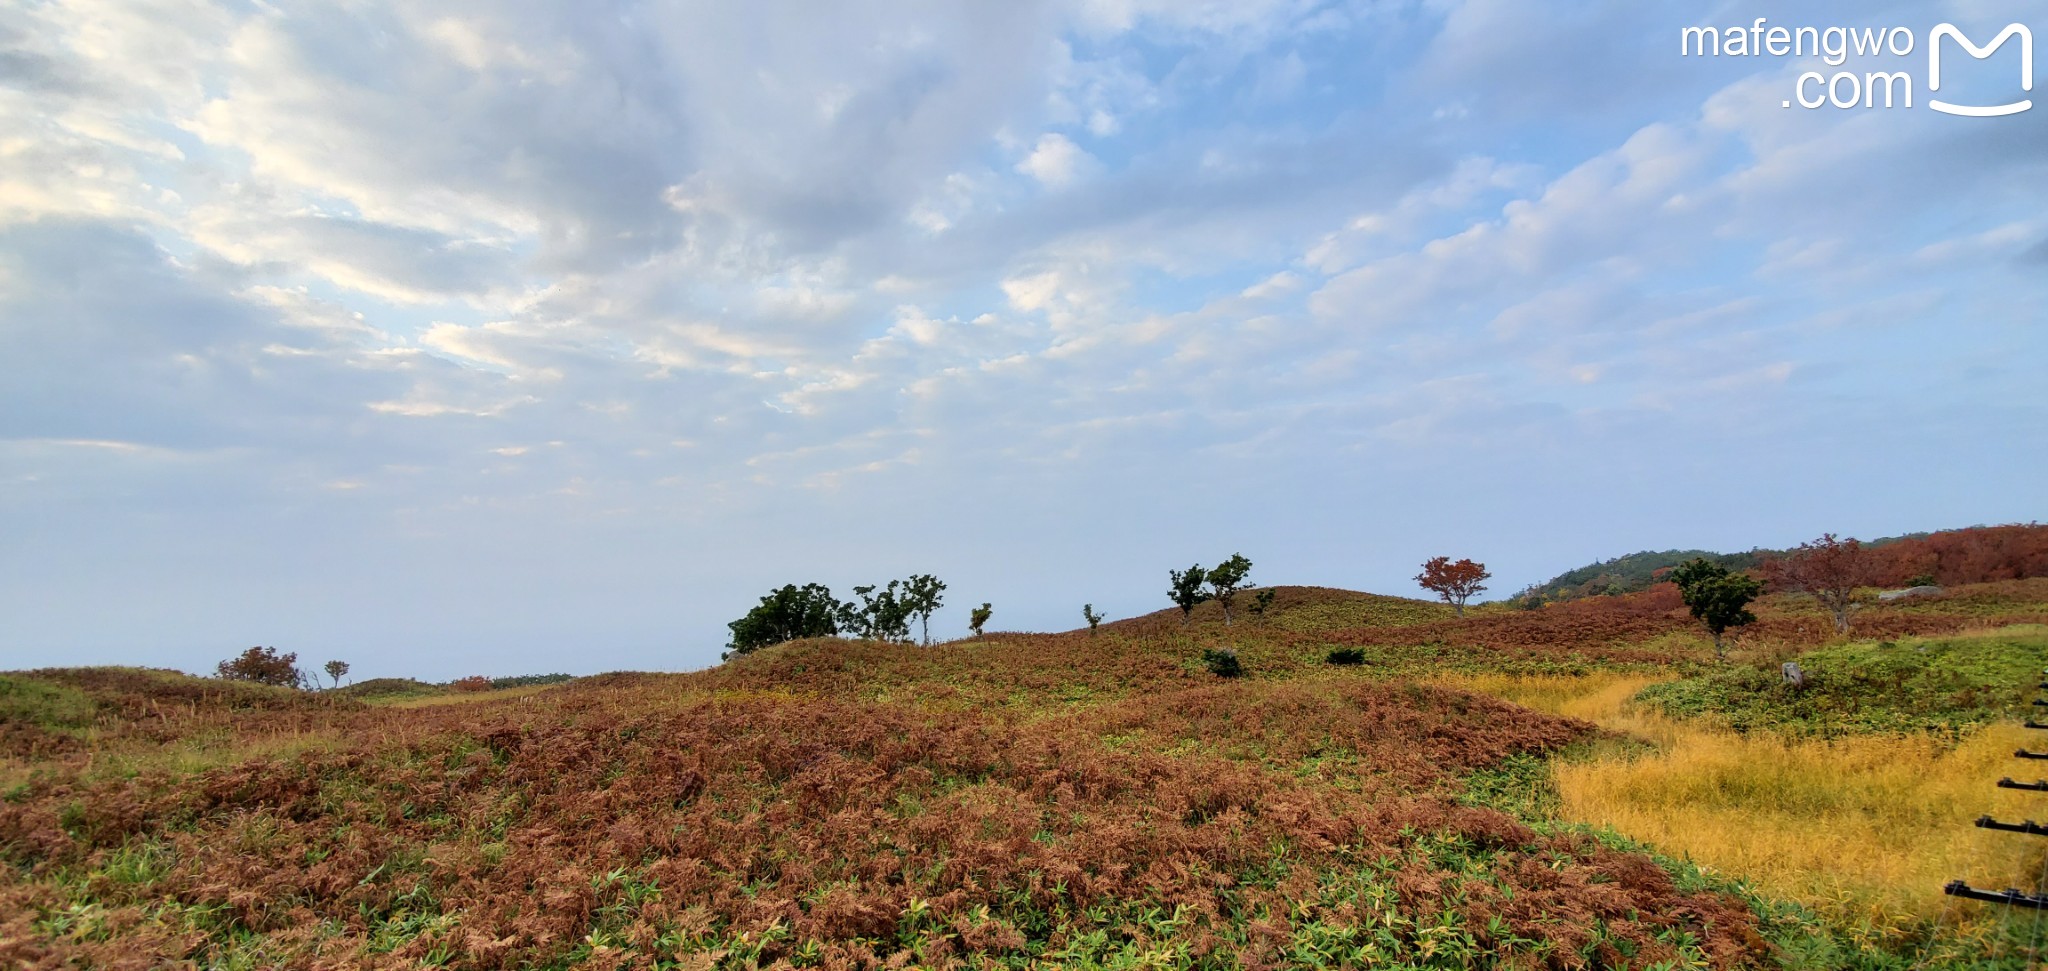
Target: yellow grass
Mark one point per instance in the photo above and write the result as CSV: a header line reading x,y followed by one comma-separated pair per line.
x,y
1863,830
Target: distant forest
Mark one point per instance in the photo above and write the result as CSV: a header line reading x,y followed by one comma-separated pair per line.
x,y
1978,554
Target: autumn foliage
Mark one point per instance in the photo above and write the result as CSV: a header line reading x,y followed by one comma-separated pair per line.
x,y
1454,582
1830,570
641,818
1982,554
1057,798
262,665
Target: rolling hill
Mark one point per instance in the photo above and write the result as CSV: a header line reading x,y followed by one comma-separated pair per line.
x,y
1021,800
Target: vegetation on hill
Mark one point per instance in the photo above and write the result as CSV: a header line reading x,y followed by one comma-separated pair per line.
x,y
1978,554
1088,799
878,612
1628,574
1947,684
388,688
1298,609
763,812
393,690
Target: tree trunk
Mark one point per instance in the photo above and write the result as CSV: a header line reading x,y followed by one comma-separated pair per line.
x,y
1718,653
1459,606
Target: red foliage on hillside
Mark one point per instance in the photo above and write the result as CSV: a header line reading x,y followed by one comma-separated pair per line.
x,y
659,821
1982,554
844,804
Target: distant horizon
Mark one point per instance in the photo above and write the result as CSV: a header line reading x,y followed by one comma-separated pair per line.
x,y
461,339
311,664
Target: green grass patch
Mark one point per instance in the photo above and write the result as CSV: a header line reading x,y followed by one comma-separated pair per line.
x,y
50,707
1948,685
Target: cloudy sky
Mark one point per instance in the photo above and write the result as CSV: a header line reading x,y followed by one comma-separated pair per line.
x,y
522,336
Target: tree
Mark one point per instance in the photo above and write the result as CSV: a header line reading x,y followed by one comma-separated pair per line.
x,y
883,613
978,617
1226,580
335,669
1454,582
1094,619
921,597
1261,602
1187,590
787,614
1831,569
263,665
1717,598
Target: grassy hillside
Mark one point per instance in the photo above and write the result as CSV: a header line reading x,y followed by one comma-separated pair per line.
x,y
1948,684
1629,574
1020,800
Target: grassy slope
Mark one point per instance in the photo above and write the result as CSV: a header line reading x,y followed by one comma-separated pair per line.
x,y
1948,684
1296,608
1086,801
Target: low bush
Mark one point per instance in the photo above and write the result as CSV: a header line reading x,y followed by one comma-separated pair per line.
x,y
1222,662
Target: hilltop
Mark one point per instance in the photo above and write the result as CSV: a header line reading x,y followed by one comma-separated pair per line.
x,y
1296,608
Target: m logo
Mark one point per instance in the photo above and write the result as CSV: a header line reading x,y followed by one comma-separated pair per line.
x,y
1980,53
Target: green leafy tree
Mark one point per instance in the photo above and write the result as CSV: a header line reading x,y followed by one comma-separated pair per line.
x,y
335,669
788,614
923,594
1227,580
263,665
1261,602
1717,598
978,617
1187,592
883,613
1693,571
1094,619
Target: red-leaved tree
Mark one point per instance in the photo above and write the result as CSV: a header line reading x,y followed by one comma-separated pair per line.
x,y
1828,568
1454,582
263,665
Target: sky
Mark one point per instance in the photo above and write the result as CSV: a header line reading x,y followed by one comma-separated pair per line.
x,y
521,336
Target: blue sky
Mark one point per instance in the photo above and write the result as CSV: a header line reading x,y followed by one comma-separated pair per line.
x,y
454,338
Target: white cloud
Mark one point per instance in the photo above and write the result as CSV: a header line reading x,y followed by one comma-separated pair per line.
x,y
1056,161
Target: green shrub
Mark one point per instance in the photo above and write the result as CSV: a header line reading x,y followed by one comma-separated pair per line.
x,y
1222,662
